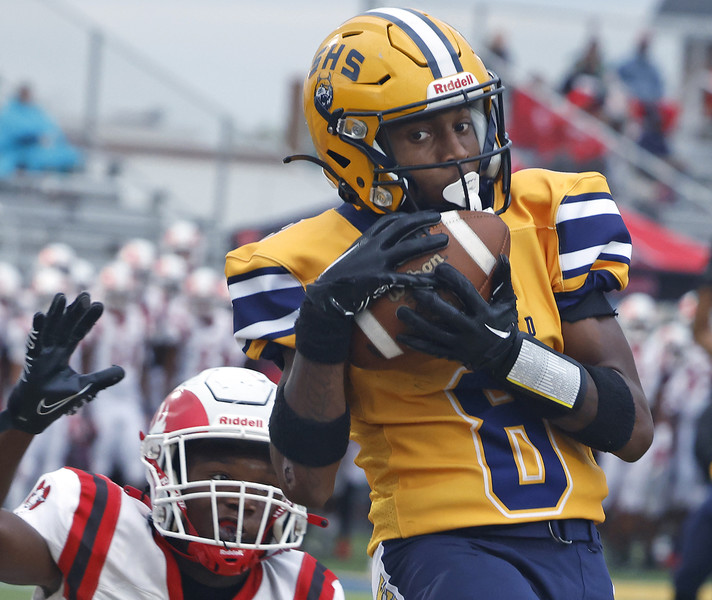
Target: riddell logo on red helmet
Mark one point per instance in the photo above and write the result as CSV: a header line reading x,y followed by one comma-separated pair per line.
x,y
450,84
243,421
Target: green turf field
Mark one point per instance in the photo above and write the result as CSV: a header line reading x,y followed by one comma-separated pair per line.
x,y
629,584
639,587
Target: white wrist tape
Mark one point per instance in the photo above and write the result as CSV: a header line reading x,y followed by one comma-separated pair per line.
x,y
544,372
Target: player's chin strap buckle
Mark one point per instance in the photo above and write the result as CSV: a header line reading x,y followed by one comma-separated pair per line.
x,y
317,520
557,536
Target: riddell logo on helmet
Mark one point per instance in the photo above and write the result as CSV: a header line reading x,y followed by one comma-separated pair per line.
x,y
244,421
450,84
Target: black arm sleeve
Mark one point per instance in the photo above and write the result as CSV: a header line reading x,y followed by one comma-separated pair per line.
x,y
594,304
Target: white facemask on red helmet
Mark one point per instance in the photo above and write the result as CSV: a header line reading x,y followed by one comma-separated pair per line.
x,y
226,403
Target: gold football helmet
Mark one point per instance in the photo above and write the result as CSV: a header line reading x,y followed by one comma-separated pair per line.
x,y
392,64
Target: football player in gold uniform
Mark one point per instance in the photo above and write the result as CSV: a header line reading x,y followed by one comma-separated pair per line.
x,y
479,453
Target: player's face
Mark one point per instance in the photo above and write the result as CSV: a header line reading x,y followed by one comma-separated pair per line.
x,y
448,135
229,468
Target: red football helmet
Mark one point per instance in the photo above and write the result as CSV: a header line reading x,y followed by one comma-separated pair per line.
x,y
225,403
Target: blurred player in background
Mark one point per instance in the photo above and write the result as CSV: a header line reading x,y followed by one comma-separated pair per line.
x,y
184,238
140,255
164,290
119,338
683,395
213,524
634,502
10,288
48,452
483,481
695,557
202,316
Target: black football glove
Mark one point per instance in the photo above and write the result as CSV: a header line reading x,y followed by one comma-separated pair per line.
x,y
367,269
485,335
48,387
480,336
360,275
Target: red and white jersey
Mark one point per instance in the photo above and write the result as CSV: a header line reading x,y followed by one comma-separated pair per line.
x,y
119,338
101,539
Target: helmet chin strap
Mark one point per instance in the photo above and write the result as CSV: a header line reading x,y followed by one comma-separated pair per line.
x,y
465,192
219,561
216,559
224,561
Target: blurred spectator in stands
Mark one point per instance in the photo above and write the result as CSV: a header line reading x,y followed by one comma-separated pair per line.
x,y
652,117
640,75
498,47
588,65
706,88
30,140
652,131
499,56
588,92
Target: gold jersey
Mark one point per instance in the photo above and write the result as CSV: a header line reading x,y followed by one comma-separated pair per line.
x,y
443,447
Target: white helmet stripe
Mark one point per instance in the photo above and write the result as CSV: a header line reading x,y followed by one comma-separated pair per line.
x,y
442,57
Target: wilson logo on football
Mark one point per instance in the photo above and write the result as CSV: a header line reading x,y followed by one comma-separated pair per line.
x,y
396,294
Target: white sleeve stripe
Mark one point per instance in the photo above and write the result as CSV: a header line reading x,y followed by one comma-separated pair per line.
x,y
586,257
263,329
262,283
589,208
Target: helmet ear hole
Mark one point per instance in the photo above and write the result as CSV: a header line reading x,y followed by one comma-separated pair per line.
x,y
340,159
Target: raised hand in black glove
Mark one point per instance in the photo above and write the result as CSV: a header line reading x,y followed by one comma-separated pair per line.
x,y
361,274
485,335
480,336
48,387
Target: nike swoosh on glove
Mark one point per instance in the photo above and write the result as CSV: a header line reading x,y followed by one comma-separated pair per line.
x,y
48,387
481,335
